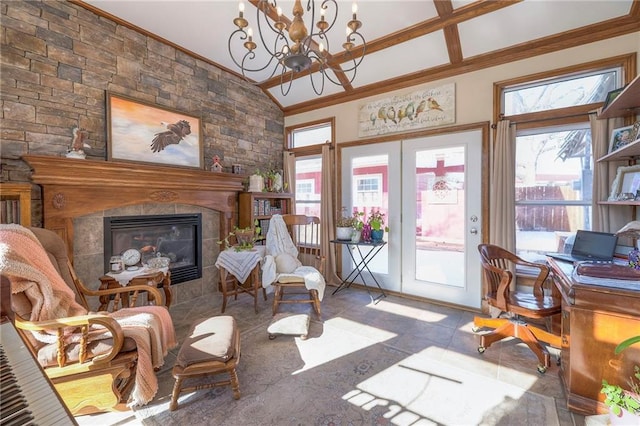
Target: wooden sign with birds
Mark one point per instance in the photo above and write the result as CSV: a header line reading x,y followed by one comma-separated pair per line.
x,y
425,108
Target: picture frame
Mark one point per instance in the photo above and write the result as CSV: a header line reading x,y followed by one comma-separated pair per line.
x,y
626,184
142,132
620,137
611,96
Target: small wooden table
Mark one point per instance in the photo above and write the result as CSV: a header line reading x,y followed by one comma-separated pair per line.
x,y
154,279
240,273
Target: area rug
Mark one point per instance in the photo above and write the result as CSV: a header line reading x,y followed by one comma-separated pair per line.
x,y
346,374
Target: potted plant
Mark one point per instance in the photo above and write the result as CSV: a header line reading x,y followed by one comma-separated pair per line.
x,y
376,221
624,404
345,224
245,239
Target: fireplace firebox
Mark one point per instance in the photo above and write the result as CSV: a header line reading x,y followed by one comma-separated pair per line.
x,y
178,237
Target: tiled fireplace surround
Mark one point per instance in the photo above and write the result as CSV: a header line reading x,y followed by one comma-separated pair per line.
x,y
78,194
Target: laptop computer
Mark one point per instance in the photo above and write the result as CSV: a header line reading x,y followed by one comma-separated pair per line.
x,y
590,245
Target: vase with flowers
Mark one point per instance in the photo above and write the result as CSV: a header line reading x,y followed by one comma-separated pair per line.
x,y
348,225
376,221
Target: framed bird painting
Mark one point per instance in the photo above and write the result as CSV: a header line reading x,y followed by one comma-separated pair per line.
x,y
142,132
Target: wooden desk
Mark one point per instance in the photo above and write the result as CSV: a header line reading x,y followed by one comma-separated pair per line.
x,y
595,318
154,279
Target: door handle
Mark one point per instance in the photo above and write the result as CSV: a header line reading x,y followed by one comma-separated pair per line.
x,y
473,231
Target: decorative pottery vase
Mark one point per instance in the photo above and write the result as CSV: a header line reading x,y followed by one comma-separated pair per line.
x,y
377,234
343,232
366,233
256,183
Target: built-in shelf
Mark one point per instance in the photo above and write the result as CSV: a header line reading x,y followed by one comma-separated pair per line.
x,y
626,103
627,152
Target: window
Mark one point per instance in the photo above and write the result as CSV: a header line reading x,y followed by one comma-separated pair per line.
x,y
554,162
368,191
305,142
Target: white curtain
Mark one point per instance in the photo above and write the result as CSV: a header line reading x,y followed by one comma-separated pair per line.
x,y
606,218
327,209
502,210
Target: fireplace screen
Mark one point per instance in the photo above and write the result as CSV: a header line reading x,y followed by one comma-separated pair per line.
x,y
178,237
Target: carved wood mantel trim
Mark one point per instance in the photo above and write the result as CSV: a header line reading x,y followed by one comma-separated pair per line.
x,y
73,188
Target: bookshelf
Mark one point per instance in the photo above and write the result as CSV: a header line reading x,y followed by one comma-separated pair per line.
x,y
261,206
15,203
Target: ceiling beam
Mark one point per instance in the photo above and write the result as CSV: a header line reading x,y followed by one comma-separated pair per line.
x,y
457,16
581,36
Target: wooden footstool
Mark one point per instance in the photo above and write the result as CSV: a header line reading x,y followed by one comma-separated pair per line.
x,y
212,347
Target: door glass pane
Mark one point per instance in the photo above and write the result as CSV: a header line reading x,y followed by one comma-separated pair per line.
x,y
440,211
369,186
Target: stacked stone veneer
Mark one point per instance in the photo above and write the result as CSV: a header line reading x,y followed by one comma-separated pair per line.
x,y
59,60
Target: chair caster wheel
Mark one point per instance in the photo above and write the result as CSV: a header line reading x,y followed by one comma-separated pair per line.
x,y
272,336
542,369
481,349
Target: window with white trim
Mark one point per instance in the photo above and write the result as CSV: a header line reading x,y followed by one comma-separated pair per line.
x,y
554,162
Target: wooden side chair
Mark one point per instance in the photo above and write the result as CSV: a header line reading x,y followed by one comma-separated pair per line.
x,y
305,234
517,305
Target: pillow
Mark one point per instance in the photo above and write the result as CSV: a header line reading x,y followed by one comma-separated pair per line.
x,y
286,264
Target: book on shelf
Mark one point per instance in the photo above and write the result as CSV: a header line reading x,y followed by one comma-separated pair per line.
x,y
10,211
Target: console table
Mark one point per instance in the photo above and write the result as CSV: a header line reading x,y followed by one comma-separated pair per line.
x,y
597,314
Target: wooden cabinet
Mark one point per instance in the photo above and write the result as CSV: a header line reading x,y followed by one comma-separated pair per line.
x,y
15,203
261,206
595,318
627,103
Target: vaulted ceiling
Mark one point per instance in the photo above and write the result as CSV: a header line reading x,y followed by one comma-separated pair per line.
x,y
407,42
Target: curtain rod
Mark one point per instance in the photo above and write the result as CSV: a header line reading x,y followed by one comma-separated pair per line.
x,y
501,117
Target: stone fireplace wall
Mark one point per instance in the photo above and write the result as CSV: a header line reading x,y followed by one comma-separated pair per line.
x,y
58,61
88,250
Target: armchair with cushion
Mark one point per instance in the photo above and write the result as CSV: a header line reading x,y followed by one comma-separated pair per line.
x,y
497,265
94,360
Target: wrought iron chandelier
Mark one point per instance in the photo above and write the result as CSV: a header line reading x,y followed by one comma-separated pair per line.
x,y
293,49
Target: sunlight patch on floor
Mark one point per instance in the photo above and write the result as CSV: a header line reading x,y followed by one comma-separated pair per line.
x,y
421,389
407,311
335,343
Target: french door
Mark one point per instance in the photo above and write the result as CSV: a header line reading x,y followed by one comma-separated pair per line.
x,y
430,190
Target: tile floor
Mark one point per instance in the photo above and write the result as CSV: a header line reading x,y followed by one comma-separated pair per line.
x,y
507,361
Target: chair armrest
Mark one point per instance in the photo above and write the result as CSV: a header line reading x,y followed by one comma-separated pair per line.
x,y
84,322
502,293
154,292
543,273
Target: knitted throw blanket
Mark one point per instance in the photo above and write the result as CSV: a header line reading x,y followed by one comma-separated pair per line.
x,y
25,262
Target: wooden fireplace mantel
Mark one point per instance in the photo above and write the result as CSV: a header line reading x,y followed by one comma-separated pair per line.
x,y
73,188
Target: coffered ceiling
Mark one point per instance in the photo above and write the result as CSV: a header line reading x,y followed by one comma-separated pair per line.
x,y
408,42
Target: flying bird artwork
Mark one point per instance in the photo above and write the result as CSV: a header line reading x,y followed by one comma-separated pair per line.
x,y
172,136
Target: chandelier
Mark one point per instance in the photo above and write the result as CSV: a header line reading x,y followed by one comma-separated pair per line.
x,y
290,48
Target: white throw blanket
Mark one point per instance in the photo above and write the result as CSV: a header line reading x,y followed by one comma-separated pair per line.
x,y
278,242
